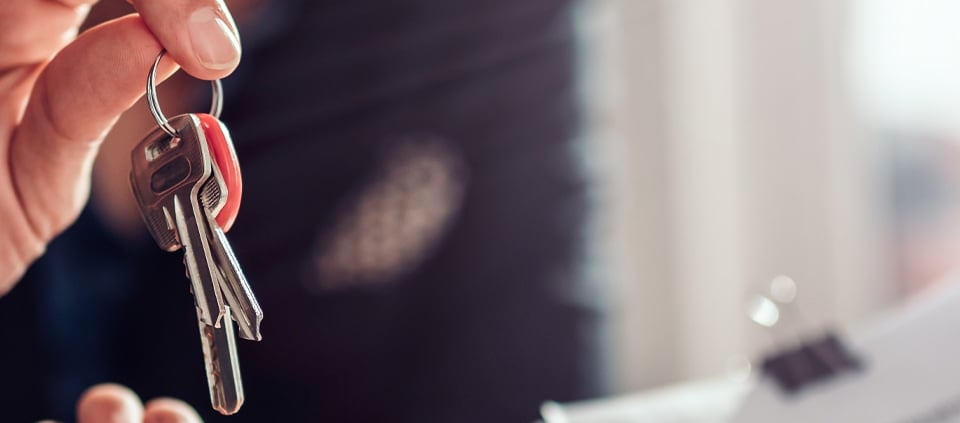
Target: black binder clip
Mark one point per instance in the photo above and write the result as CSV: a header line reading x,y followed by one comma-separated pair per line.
x,y
811,360
814,361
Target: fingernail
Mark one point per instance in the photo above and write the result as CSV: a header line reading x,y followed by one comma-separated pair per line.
x,y
213,41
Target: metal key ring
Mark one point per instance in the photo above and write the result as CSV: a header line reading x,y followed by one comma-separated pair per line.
x,y
154,104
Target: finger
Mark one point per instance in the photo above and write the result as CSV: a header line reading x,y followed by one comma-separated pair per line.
x,y
109,403
199,34
169,410
75,3
33,30
75,101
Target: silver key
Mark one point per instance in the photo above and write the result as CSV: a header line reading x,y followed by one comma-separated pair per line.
x,y
234,286
168,176
178,188
226,269
220,360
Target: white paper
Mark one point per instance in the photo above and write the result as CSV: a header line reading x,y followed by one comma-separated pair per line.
x,y
706,401
911,373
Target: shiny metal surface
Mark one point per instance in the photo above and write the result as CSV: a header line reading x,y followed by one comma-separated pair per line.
x,y
222,366
235,288
198,258
216,105
174,216
180,190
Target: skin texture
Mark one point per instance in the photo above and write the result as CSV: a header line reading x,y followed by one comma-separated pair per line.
x,y
60,94
116,404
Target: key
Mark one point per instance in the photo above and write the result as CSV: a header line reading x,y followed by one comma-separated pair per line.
x,y
224,156
220,361
234,285
186,180
168,176
179,190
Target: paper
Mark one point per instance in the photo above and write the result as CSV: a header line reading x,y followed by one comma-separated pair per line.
x,y
911,373
706,401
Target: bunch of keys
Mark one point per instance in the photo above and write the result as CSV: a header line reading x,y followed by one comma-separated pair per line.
x,y
186,181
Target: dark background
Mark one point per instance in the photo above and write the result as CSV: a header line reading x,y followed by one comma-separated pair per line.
x,y
483,329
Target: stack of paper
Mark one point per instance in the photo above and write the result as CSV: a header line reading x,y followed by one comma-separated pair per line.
x,y
911,374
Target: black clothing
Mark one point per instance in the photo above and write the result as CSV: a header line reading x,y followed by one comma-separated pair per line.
x,y
480,330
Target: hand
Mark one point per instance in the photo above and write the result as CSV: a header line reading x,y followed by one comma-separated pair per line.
x,y
60,94
117,404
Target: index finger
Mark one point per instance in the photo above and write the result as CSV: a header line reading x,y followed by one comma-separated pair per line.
x,y
170,410
200,35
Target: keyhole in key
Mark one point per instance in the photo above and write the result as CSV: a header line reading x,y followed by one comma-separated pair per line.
x,y
170,175
161,147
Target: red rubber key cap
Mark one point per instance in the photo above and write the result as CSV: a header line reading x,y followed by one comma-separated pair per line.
x,y
225,158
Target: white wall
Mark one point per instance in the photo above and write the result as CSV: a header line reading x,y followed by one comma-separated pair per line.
x,y
725,153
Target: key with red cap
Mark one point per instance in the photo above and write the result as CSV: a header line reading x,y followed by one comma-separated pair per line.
x,y
235,288
225,158
185,186
186,180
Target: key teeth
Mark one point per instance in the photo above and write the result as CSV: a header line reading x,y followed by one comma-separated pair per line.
x,y
218,323
223,372
256,330
256,336
213,322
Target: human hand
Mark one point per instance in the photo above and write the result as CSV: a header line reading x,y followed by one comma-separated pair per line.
x,y
109,403
61,93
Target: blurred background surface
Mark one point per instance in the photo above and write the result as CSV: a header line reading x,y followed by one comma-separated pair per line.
x,y
732,141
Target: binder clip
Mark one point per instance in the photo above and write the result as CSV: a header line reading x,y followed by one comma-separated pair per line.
x,y
811,360
816,360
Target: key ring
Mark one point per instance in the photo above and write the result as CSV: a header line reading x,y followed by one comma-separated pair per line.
x,y
215,108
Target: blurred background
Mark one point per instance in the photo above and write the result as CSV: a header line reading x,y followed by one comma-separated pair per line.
x,y
514,202
732,141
